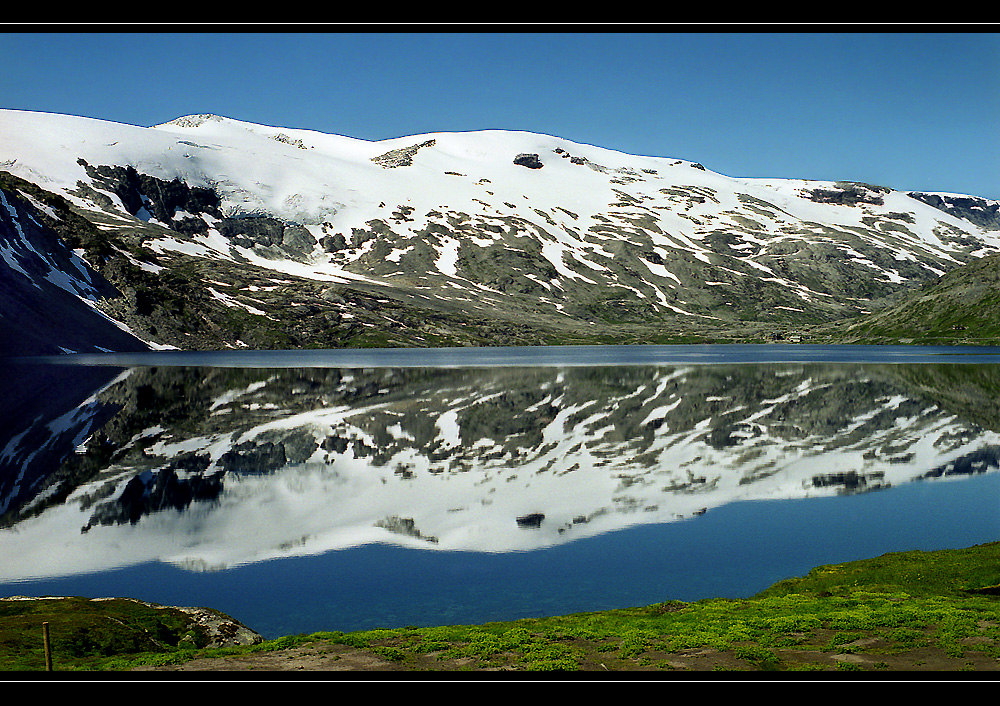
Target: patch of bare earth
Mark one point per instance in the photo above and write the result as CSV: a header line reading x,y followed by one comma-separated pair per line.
x,y
864,655
313,657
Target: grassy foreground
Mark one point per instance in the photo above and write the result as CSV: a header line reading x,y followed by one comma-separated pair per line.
x,y
915,610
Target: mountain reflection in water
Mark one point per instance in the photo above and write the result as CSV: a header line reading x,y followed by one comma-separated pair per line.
x,y
207,468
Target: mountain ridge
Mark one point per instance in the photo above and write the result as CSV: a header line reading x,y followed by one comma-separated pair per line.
x,y
219,233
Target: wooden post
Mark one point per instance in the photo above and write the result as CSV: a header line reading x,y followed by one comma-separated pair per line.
x,y
48,648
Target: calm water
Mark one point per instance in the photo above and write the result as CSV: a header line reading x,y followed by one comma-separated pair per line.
x,y
338,490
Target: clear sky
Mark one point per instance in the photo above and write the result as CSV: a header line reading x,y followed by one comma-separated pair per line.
x,y
909,110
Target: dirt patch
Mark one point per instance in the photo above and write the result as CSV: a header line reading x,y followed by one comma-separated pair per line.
x,y
315,657
865,656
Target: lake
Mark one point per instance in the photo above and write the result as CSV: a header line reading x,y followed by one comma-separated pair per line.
x,y
300,491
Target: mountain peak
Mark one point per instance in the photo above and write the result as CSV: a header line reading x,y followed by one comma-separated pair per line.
x,y
194,120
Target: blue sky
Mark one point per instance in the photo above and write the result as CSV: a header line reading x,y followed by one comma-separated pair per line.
x,y
909,110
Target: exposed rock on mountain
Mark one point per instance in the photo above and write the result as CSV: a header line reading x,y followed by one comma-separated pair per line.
x,y
402,157
149,198
49,293
979,211
531,161
848,194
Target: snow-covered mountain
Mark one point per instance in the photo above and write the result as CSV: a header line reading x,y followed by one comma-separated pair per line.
x,y
208,468
222,233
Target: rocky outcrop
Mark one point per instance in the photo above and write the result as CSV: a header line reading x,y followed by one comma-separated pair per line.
x,y
404,526
194,210
980,212
531,521
219,629
163,490
849,194
45,285
848,482
531,161
269,237
172,203
402,157
294,142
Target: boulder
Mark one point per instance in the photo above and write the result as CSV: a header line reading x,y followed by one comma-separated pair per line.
x,y
532,520
531,161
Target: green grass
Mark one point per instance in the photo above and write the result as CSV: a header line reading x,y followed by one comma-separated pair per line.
x,y
953,572
751,630
86,634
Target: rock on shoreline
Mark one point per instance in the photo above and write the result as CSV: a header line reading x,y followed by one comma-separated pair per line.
x,y
220,629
